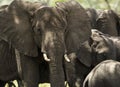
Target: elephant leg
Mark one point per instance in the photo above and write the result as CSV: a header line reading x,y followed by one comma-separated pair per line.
x,y
57,78
81,72
30,71
76,73
2,84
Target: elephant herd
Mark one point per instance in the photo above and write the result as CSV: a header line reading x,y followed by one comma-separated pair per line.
x,y
54,44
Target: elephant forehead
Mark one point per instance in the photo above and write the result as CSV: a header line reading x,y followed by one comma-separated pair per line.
x,y
49,35
52,18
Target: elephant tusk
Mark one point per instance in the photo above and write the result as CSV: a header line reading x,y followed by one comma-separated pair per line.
x,y
66,58
46,58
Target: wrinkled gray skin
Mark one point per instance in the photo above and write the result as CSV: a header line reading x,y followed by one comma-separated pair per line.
x,y
93,15
106,21
37,30
98,48
4,47
105,74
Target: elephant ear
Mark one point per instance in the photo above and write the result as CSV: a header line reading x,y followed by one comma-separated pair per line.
x,y
16,29
115,15
84,54
92,13
78,25
106,23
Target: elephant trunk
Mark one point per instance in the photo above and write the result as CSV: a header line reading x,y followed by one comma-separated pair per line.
x,y
57,77
53,49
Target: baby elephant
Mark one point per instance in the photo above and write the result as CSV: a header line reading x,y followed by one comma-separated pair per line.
x,y
105,74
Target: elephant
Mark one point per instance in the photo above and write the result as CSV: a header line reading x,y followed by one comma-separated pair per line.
x,y
105,74
97,48
9,15
38,33
106,21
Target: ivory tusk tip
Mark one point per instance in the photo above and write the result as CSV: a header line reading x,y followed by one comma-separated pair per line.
x,y
46,58
66,58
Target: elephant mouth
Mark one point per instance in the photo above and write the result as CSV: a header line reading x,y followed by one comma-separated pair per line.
x,y
48,60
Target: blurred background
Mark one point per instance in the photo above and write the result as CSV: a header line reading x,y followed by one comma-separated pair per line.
x,y
97,4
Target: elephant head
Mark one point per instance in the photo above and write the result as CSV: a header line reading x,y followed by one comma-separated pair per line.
x,y
49,24
108,22
98,48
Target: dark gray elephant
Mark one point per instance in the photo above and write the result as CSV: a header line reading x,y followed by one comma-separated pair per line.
x,y
106,21
65,23
98,48
42,32
15,21
105,74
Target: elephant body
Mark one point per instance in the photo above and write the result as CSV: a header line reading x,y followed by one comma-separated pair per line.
x,y
98,48
105,74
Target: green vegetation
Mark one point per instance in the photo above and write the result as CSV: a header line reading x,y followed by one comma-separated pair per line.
x,y
97,4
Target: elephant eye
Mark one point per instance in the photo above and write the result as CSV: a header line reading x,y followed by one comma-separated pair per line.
x,y
38,29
